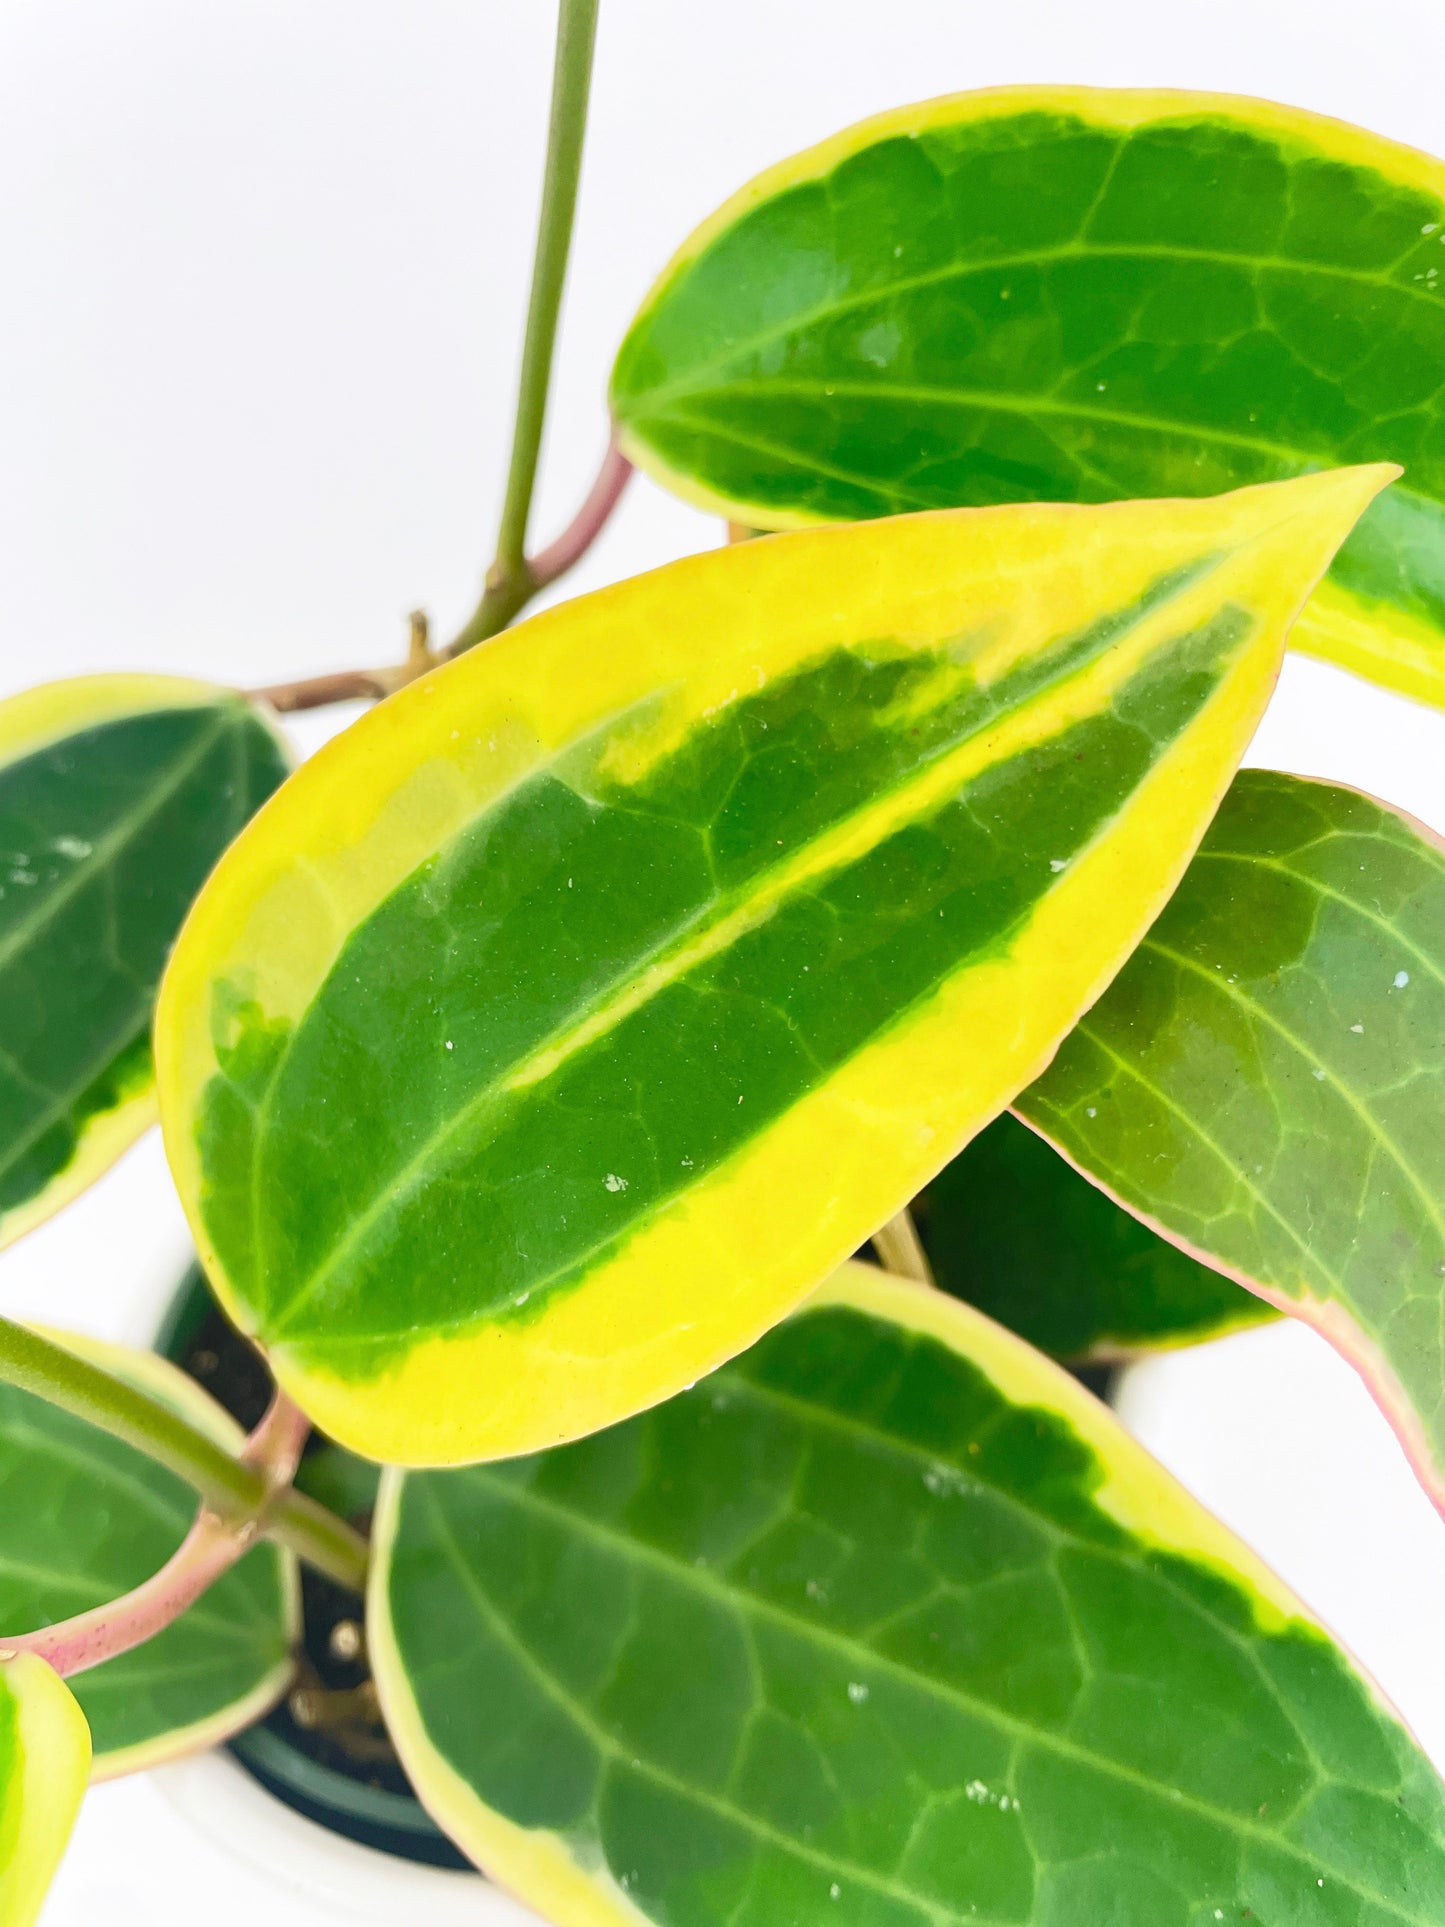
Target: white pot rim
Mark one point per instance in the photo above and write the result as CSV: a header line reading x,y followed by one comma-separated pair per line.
x,y
284,1852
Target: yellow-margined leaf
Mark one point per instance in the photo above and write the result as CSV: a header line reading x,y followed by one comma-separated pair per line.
x,y
1066,294
568,1019
44,1760
117,794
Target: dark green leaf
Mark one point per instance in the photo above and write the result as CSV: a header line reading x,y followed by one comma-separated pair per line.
x,y
1071,295
117,794
1012,1229
886,1624
86,1518
1265,1080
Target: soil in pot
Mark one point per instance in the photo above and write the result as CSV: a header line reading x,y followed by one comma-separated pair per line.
x,y
324,1749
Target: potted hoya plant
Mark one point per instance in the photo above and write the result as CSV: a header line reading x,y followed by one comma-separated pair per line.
x,y
661,1099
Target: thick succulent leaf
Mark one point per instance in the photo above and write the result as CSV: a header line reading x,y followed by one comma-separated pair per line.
x,y
497,1056
87,1518
1012,1228
117,794
886,1623
1265,1082
44,1759
1061,294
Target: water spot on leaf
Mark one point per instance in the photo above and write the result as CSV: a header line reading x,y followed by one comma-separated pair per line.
x,y
880,343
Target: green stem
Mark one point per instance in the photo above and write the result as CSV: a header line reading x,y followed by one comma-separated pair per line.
x,y
901,1249
509,581
320,1538
234,1491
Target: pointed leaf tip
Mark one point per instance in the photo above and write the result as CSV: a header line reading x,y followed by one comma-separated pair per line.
x,y
1342,494
496,1055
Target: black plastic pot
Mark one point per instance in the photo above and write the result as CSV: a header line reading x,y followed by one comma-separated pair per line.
x,y
343,1775
316,1772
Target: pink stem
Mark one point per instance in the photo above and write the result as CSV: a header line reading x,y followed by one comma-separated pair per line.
x,y
274,1447
587,524
73,1645
209,1549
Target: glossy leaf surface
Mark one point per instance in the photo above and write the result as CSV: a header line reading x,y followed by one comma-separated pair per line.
x,y
498,1056
1011,1228
886,1623
86,1519
117,794
1063,294
44,1758
1265,1082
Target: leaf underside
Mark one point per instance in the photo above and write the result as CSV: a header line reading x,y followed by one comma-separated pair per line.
x,y
496,1055
108,826
859,1631
1055,294
1265,1080
1008,1227
86,1519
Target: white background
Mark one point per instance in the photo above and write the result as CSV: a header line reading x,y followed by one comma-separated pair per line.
x,y
263,275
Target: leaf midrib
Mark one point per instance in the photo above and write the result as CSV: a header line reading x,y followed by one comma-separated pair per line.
x,y
106,846
97,1469
1192,1124
101,1680
61,1104
723,917
197,1617
129,1021
1331,894
1081,249
1335,1081
1004,401
889,490
99,1592
727,1809
875,1438
896,495
85,1585
741,1604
